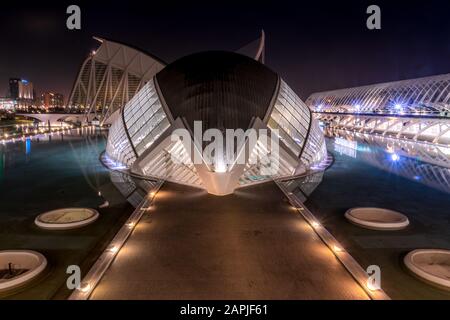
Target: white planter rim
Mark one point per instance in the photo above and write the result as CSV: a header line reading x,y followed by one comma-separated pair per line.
x,y
41,264
423,274
45,224
401,223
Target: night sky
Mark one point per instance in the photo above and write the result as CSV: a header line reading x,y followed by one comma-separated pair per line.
x,y
314,46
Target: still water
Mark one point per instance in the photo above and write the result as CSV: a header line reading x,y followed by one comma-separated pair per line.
x,y
366,173
50,172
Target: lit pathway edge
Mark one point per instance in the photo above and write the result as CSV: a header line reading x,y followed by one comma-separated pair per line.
x,y
95,274
352,266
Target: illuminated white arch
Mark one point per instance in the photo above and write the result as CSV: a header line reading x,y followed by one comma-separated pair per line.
x,y
110,76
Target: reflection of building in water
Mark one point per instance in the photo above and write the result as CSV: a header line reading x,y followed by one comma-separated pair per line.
x,y
302,187
426,152
133,189
401,159
345,150
416,109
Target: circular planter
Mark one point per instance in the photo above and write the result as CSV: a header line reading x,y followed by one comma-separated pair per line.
x,y
66,218
377,218
430,265
17,267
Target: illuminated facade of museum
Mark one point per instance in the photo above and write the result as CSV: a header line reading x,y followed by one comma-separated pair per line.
x,y
223,90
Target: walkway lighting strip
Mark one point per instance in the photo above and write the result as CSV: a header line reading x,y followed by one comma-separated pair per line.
x,y
336,248
95,274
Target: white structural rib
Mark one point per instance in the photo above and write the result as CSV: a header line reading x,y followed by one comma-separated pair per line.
x,y
110,76
260,54
255,49
141,139
415,109
421,96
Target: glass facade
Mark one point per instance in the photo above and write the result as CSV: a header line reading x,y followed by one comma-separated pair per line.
x,y
315,149
296,127
118,147
291,117
145,118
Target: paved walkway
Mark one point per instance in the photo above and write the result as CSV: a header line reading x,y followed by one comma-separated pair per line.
x,y
250,245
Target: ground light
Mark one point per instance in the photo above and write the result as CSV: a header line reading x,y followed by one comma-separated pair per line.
x,y
352,266
315,224
85,287
113,249
99,268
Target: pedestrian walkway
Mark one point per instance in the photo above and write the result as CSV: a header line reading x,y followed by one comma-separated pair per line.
x,y
249,245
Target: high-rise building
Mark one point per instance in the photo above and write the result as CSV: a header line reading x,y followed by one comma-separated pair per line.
x,y
22,91
50,100
14,88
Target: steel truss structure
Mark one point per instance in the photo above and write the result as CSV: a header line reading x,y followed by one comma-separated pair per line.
x,y
110,76
416,109
421,97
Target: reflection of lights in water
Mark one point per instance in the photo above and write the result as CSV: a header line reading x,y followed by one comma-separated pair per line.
x,y
395,157
28,146
412,159
345,151
346,143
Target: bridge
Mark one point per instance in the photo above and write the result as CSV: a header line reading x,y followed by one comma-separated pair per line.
x,y
56,119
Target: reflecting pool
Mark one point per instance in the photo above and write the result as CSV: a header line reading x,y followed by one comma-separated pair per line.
x,y
50,172
370,174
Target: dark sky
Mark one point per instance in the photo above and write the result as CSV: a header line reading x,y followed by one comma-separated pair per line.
x,y
314,46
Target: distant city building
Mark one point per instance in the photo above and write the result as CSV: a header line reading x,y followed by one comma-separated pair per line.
x,y
50,100
21,91
7,108
7,104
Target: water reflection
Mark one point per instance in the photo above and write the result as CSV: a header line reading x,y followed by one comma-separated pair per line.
x,y
133,189
304,186
414,161
427,152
